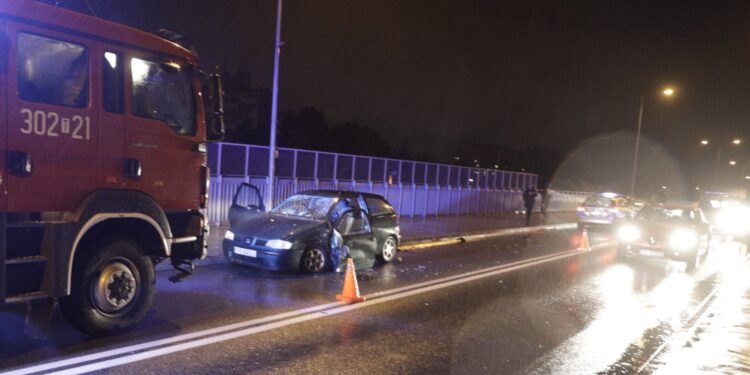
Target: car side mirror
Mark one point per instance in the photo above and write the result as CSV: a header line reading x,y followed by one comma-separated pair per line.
x,y
214,107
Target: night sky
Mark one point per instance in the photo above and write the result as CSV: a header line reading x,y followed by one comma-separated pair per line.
x,y
443,73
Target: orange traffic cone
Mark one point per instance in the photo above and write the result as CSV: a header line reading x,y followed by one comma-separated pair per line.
x,y
585,245
350,294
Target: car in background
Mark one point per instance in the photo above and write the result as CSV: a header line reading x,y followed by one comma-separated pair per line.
x,y
605,209
673,230
729,214
311,231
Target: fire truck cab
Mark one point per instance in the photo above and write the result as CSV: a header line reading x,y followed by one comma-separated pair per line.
x,y
103,135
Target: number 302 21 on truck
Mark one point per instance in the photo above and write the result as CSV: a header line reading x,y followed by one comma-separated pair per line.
x,y
103,140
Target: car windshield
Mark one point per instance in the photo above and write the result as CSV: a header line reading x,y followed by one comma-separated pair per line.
x,y
306,206
663,214
598,202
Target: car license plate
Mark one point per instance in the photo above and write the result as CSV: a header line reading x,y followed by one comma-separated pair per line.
x,y
651,253
245,252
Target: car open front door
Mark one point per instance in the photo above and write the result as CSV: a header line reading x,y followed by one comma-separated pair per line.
x,y
247,201
357,236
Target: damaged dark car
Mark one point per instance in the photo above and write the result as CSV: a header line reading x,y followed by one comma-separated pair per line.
x,y
311,232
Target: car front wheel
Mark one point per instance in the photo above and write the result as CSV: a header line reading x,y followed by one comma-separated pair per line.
x,y
314,260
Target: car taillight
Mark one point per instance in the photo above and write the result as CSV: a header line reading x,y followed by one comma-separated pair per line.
x,y
204,182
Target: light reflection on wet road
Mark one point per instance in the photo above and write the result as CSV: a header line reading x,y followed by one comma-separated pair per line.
x,y
586,314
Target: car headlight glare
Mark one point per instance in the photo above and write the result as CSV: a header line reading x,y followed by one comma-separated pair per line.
x,y
683,239
628,233
734,220
279,244
229,235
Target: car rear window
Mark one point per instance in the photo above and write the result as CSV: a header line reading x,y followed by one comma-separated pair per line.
x,y
598,202
379,207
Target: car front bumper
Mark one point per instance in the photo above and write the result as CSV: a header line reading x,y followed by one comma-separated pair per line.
x,y
646,251
274,260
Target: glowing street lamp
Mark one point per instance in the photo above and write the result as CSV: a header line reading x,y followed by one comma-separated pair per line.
x,y
737,141
732,162
704,142
668,91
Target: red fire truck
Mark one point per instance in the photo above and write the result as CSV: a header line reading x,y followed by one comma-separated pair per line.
x,y
103,144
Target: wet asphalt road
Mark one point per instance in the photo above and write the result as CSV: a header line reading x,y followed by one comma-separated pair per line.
x,y
587,313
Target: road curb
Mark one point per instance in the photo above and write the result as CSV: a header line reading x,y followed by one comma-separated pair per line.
x,y
429,242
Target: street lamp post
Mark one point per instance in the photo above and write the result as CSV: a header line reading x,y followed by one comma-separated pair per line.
x,y
637,147
666,92
274,112
719,151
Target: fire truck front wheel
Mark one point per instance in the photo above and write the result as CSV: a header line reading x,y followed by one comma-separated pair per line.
x,y
112,289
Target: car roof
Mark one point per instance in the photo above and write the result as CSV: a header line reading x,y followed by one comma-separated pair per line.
x,y
340,193
610,195
676,205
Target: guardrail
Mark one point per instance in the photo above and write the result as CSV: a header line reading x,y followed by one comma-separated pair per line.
x,y
413,188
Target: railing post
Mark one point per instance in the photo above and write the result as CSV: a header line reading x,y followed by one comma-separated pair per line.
x,y
426,200
413,189
401,187
369,173
437,189
336,170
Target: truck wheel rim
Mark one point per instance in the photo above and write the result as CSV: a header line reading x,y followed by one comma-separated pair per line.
x,y
314,260
389,249
115,287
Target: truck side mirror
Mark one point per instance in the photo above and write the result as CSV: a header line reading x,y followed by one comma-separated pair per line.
x,y
214,108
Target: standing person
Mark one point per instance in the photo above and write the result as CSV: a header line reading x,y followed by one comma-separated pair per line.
x,y
528,199
544,204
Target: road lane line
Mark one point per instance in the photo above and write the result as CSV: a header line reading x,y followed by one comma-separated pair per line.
x,y
161,342
695,318
295,317
235,326
244,324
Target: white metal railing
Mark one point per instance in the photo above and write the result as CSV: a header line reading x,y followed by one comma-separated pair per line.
x,y
413,188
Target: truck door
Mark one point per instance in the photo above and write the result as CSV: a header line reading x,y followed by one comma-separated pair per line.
x,y
161,155
52,135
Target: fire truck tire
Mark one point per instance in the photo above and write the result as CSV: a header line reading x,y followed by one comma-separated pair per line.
x,y
112,288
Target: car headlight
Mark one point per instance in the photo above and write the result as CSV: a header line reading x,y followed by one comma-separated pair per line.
x,y
683,239
734,220
229,235
628,233
279,244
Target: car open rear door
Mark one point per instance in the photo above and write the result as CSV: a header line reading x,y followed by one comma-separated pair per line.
x,y
358,237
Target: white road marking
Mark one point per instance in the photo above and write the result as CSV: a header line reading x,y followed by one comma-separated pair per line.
x,y
695,318
184,342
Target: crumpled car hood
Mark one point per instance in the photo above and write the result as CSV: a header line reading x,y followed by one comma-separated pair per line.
x,y
272,226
